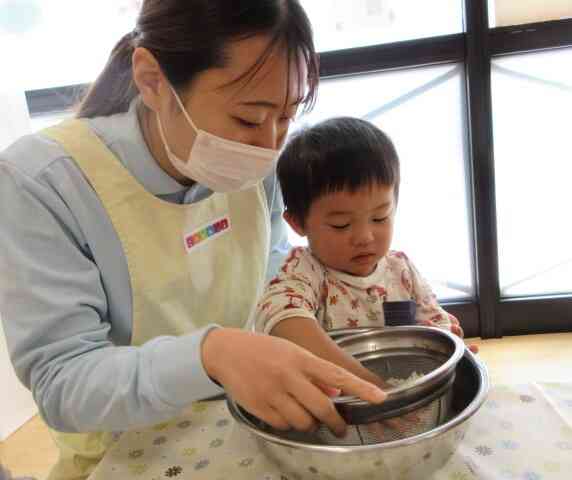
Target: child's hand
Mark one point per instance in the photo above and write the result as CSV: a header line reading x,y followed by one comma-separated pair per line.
x,y
455,328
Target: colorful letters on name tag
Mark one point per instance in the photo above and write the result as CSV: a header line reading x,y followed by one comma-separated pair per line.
x,y
206,233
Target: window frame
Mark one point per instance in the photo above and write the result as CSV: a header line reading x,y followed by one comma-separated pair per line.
x,y
488,315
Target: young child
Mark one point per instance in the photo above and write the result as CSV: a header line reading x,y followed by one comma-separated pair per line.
x,y
340,182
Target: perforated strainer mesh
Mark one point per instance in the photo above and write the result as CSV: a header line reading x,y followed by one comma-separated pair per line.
x,y
402,363
425,414
419,421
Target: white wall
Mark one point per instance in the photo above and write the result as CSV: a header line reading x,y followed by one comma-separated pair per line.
x,y
16,403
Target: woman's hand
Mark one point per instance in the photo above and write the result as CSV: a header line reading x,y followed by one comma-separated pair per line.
x,y
280,382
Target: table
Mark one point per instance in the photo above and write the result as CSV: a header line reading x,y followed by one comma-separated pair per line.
x,y
522,432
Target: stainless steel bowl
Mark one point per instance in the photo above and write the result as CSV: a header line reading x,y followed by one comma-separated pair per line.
x,y
302,456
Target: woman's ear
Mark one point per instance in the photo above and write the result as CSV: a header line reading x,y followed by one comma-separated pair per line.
x,y
149,78
294,223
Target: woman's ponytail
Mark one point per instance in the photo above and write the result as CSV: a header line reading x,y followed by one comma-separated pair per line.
x,y
113,90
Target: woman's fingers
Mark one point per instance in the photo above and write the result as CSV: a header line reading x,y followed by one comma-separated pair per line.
x,y
297,416
309,390
329,391
318,405
268,415
326,373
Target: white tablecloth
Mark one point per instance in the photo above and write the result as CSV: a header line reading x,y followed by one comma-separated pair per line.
x,y
522,432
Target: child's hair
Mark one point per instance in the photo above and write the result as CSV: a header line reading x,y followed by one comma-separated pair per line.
x,y
343,153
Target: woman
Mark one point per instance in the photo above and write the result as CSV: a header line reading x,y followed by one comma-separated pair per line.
x,y
134,240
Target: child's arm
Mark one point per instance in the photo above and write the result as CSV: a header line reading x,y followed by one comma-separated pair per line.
x,y
288,309
307,333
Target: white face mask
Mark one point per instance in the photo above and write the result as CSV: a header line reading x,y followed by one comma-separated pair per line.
x,y
219,164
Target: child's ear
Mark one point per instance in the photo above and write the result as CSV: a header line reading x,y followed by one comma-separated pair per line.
x,y
294,223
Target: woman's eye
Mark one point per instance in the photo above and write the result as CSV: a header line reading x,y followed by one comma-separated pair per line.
x,y
246,123
340,227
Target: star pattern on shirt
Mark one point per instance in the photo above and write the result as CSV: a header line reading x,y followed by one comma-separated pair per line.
x,y
353,322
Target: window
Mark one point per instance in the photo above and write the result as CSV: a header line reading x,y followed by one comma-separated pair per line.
x,y
62,41
40,122
340,24
532,101
422,111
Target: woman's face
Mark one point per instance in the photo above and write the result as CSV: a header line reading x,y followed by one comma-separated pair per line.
x,y
256,110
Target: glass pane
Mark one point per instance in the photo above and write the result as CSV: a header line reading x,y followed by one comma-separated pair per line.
x,y
423,111
61,42
503,13
14,120
44,121
532,100
340,24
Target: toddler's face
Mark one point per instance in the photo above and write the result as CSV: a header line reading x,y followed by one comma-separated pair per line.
x,y
349,231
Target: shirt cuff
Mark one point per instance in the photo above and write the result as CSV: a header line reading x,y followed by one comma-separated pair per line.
x,y
177,369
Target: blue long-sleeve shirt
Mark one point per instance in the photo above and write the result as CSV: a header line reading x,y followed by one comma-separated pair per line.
x,y
65,297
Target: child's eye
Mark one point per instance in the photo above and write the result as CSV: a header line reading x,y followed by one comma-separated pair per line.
x,y
380,220
340,227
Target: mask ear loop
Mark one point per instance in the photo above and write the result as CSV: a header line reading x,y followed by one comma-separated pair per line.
x,y
162,134
184,110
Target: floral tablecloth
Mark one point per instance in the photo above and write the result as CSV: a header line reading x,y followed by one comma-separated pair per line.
x,y
522,432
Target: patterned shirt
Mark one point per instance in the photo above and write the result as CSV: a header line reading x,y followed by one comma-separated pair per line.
x,y
304,287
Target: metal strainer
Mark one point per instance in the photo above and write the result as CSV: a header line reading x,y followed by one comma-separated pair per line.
x,y
428,354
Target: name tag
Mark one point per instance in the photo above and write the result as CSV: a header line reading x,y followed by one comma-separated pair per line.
x,y
202,235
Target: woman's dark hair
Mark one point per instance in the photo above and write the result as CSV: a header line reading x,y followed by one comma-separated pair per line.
x,y
189,36
341,153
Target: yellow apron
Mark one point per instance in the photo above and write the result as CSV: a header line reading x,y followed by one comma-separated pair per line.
x,y
189,265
